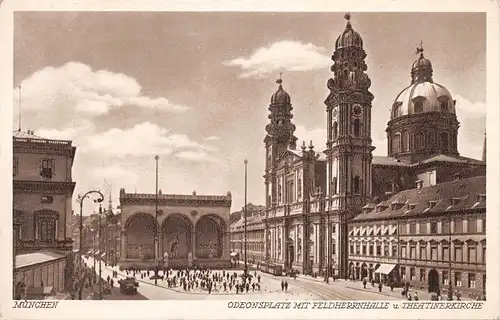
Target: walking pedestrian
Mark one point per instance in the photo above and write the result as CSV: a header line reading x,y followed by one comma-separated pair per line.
x,y
286,285
364,283
380,287
282,285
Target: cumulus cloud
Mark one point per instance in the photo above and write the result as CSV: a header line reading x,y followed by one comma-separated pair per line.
x,y
316,135
196,156
75,86
286,55
212,138
144,139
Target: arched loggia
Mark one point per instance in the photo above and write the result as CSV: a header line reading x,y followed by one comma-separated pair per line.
x,y
140,236
177,232
209,237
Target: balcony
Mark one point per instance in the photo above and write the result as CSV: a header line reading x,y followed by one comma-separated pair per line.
x,y
24,246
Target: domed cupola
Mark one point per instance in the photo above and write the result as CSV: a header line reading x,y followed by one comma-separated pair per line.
x,y
348,38
421,70
423,117
280,127
280,96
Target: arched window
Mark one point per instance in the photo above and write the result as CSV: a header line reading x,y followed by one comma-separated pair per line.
x,y
357,128
418,141
396,143
443,137
334,185
355,184
418,106
396,110
444,106
335,129
404,141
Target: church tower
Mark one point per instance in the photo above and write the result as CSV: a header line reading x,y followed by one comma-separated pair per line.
x,y
280,136
349,144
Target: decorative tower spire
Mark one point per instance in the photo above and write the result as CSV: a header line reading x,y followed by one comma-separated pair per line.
x,y
110,205
347,16
421,70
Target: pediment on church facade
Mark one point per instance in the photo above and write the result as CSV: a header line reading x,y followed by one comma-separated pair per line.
x,y
289,157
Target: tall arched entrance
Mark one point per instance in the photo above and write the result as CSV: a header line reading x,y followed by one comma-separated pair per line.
x,y
364,271
290,248
140,230
433,280
209,237
177,232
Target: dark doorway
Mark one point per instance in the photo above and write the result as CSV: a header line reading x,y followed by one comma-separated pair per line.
x,y
433,281
291,258
364,271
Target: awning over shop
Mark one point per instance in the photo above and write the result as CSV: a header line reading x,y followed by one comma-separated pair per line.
x,y
97,252
385,268
234,254
90,251
102,255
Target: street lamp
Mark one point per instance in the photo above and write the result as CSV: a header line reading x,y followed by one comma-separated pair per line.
x,y
156,223
100,249
450,287
80,199
245,212
93,253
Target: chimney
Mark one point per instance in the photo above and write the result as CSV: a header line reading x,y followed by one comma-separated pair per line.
x,y
419,183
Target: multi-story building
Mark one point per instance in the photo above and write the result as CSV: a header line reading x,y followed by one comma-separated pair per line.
x,y
312,198
42,203
427,236
255,238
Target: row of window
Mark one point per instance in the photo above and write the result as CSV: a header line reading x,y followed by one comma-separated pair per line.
x,y
418,106
47,167
400,142
356,129
391,251
471,277
432,228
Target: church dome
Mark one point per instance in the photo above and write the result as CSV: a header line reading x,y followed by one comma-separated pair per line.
x,y
349,38
280,96
423,95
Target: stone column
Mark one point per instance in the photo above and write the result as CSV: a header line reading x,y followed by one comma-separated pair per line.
x,y
193,243
123,240
226,245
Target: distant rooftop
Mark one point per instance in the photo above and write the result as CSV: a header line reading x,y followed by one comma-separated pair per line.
x,y
28,259
30,137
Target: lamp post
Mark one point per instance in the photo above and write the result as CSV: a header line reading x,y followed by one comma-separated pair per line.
x,y
245,212
100,249
93,253
156,223
450,286
80,199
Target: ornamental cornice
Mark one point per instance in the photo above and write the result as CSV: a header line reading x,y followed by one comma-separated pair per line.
x,y
54,187
176,202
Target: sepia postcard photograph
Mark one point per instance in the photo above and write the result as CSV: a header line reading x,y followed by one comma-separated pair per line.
x,y
240,161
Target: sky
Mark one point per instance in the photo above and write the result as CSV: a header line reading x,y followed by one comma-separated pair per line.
x,y
194,88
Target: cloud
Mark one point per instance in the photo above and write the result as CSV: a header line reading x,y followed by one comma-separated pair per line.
x,y
196,156
316,135
468,107
144,139
75,86
114,172
287,55
212,138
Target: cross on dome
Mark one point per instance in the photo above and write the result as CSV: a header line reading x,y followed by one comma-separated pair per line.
x,y
421,48
279,81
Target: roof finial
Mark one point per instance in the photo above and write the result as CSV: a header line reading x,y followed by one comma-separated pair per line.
x,y
420,49
279,81
347,16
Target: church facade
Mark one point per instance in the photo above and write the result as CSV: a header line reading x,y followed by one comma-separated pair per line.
x,y
314,199
193,230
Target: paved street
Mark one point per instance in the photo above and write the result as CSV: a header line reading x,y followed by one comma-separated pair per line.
x,y
302,288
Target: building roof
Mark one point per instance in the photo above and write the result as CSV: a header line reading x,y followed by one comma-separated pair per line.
x,y
255,219
29,259
462,194
450,158
28,134
389,161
